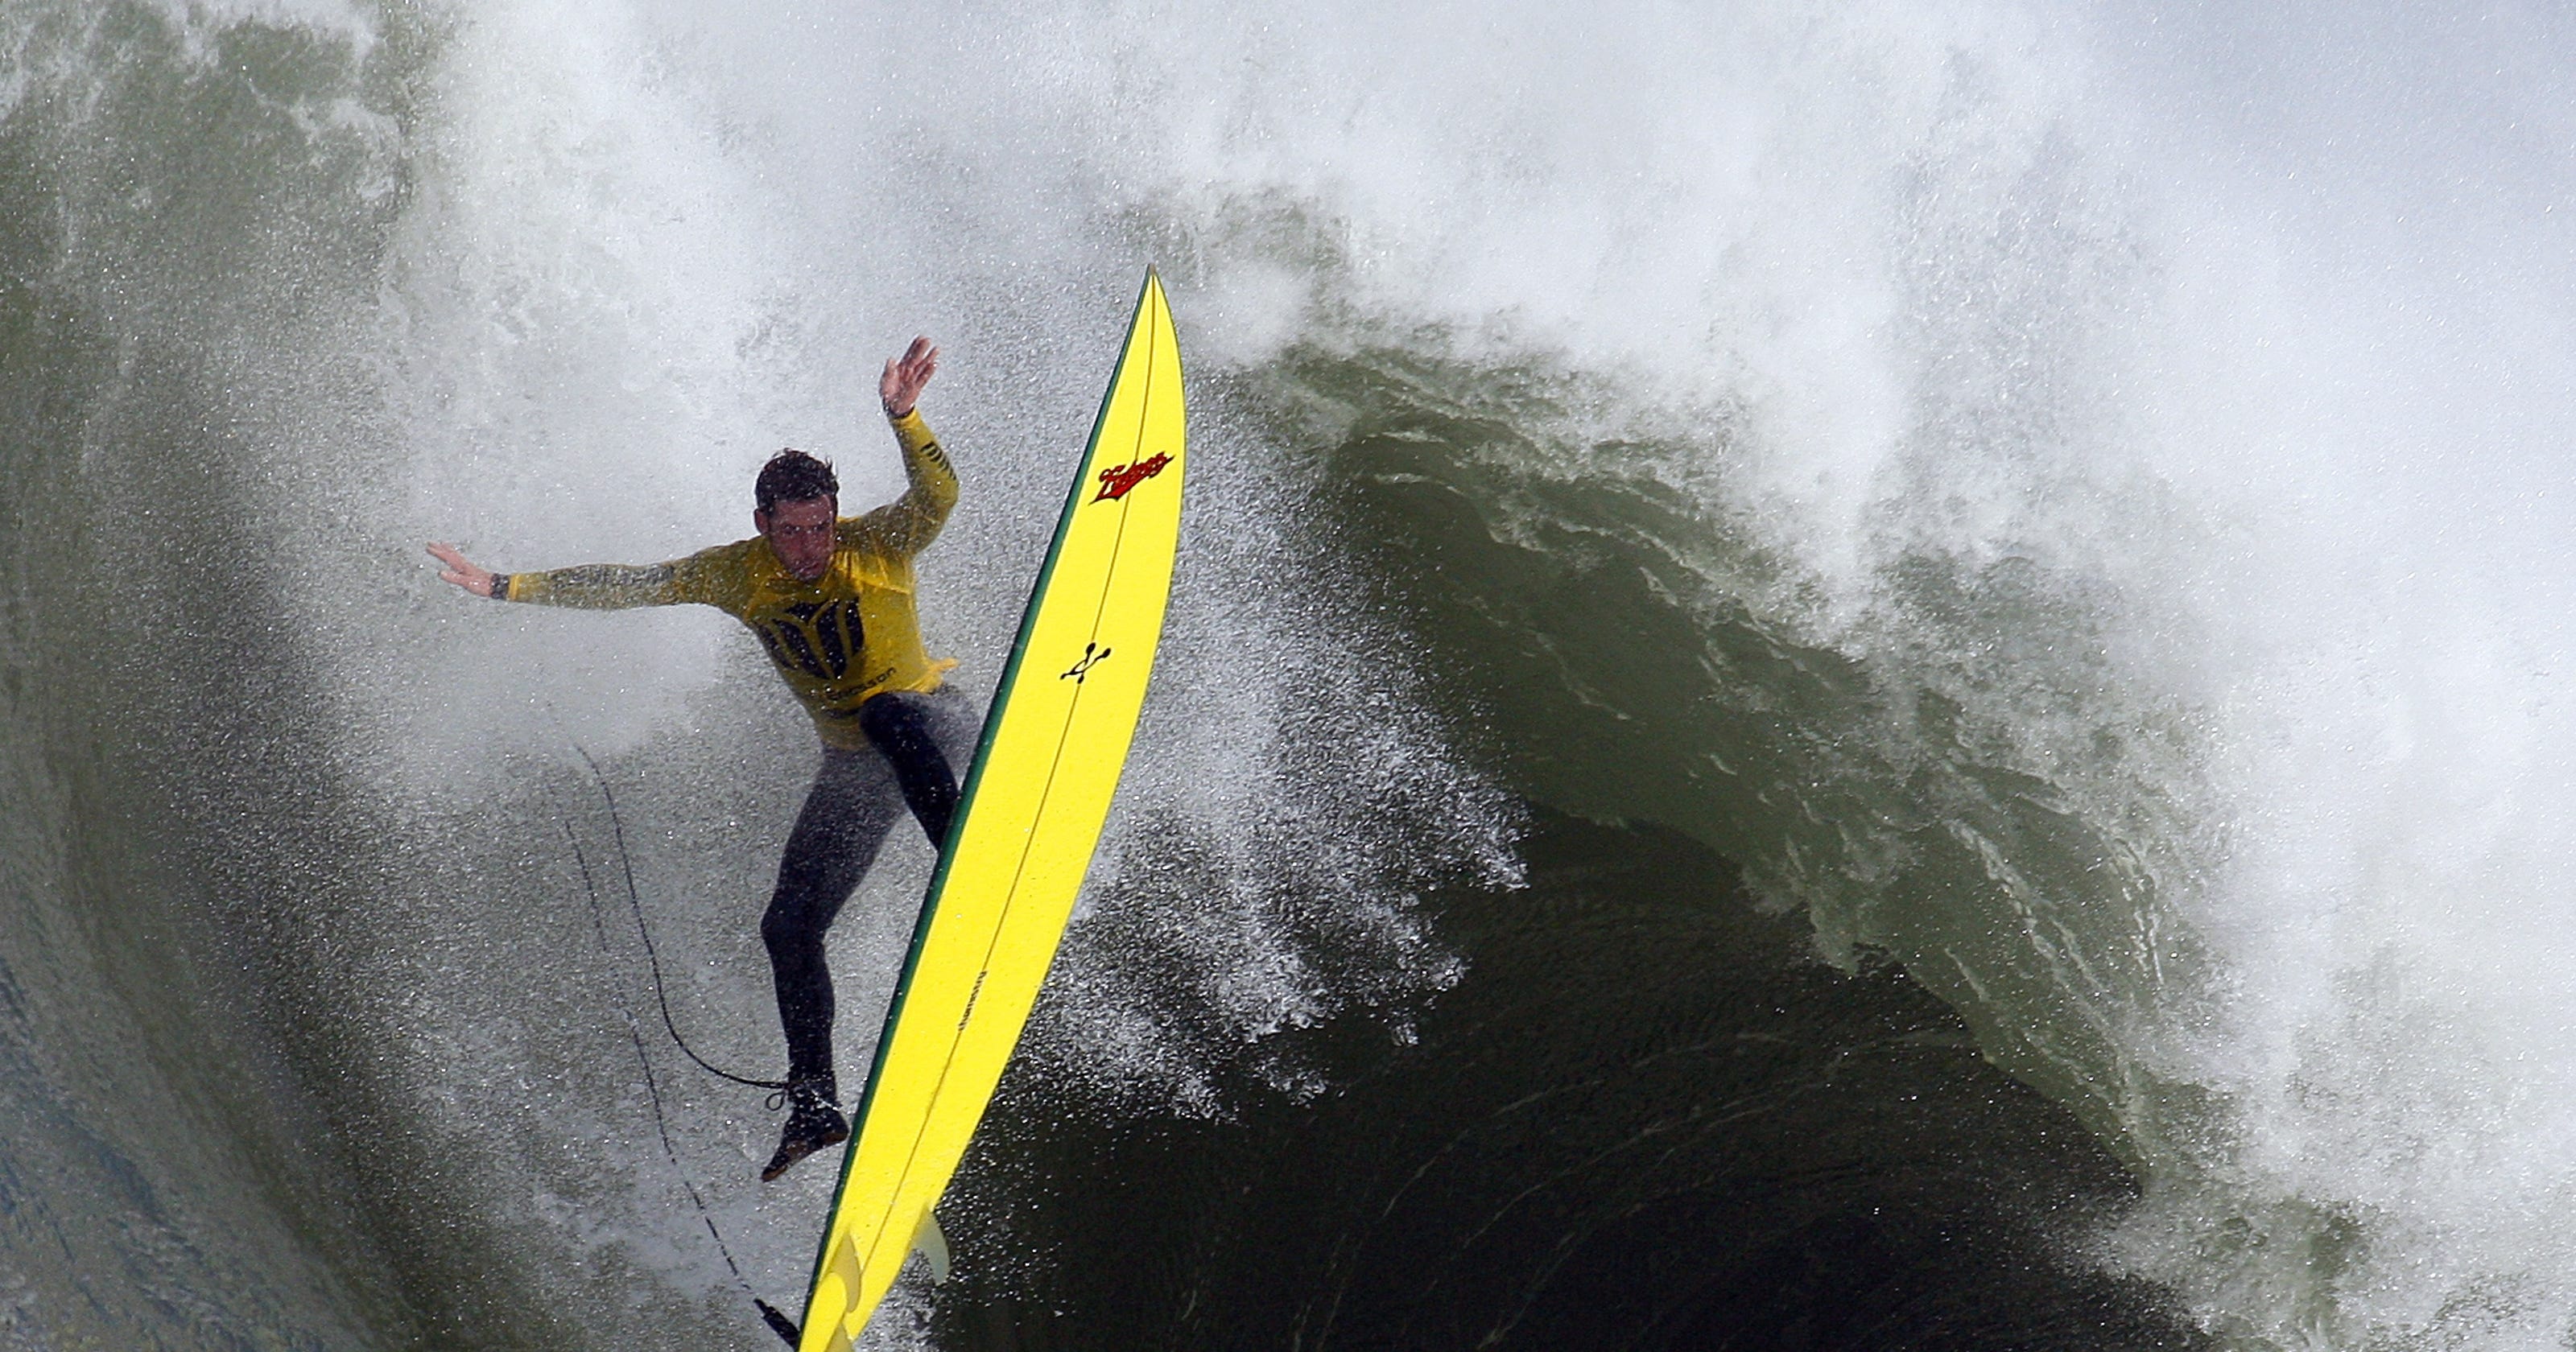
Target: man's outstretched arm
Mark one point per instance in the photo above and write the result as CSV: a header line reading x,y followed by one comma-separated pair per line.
x,y
594,586
909,523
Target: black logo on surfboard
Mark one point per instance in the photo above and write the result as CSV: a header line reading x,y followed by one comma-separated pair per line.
x,y
1092,655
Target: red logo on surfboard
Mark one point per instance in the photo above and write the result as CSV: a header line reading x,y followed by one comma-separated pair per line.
x,y
1117,479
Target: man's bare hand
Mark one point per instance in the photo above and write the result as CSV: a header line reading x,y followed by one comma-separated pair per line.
x,y
905,375
476,580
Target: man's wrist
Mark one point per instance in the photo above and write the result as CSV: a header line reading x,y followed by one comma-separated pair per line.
x,y
500,589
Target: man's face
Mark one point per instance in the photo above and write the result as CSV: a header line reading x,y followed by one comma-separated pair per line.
x,y
801,532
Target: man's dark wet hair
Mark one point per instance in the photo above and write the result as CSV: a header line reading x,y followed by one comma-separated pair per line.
x,y
793,476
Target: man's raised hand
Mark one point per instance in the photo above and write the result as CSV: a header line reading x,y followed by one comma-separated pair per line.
x,y
904,376
463,574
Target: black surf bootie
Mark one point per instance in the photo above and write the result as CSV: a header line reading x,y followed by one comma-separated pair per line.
x,y
814,1122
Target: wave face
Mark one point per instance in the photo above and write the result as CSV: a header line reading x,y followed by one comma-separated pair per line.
x,y
2062,505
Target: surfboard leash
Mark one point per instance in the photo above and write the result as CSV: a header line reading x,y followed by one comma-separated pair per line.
x,y
770,1314
652,955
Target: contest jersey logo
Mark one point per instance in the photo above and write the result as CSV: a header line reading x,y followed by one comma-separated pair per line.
x,y
1117,479
820,640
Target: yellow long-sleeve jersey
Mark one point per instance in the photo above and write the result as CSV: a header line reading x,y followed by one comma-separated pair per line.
x,y
837,640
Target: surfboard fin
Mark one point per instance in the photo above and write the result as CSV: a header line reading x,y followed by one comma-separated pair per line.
x,y
932,1246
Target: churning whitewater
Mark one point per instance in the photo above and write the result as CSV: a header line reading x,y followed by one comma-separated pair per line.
x,y
1845,676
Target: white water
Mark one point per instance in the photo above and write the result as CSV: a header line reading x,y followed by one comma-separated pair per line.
x,y
2261,324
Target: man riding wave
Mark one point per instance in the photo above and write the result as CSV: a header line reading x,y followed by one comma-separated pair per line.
x,y
831,600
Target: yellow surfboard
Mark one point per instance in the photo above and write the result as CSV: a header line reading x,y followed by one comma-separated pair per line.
x,y
1032,810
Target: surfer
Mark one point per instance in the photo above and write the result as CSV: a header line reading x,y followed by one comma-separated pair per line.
x,y
831,599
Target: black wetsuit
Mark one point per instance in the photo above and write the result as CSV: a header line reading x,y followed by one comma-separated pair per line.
x,y
837,835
